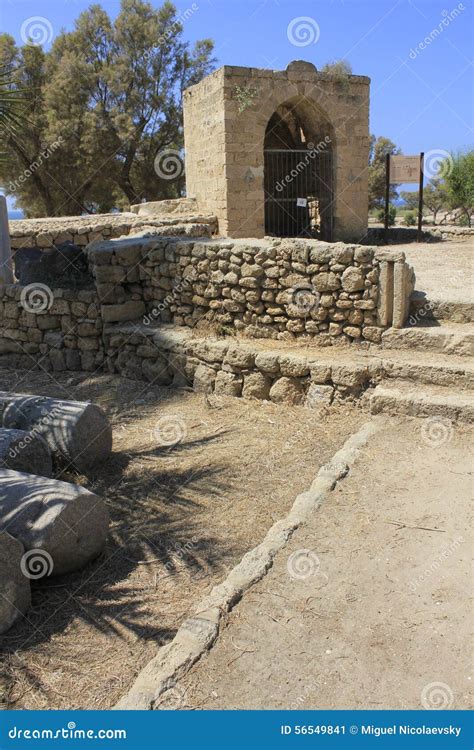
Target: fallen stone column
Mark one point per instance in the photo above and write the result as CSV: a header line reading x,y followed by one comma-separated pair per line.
x,y
65,522
25,451
15,595
76,432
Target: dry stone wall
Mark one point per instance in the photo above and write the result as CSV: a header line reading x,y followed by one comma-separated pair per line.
x,y
284,290
275,288
65,335
82,230
234,367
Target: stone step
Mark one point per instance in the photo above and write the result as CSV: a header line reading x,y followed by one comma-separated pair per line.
x,y
424,307
429,368
438,402
448,338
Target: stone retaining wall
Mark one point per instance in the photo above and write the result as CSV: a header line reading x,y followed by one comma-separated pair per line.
x,y
264,289
65,335
82,230
233,367
275,288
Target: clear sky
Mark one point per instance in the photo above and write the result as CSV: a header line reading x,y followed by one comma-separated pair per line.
x,y
421,98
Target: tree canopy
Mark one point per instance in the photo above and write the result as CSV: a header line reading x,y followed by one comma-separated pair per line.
x,y
459,172
379,148
99,107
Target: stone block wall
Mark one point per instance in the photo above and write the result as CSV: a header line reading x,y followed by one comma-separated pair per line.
x,y
50,329
235,367
284,290
82,230
225,120
275,289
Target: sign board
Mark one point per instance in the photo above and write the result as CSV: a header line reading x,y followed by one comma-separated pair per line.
x,y
404,169
400,169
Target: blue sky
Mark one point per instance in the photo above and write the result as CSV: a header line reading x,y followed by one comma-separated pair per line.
x,y
420,98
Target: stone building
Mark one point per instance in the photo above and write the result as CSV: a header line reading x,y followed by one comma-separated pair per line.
x,y
281,153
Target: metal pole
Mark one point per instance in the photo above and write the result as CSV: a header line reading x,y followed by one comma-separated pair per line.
x,y
387,195
6,265
420,197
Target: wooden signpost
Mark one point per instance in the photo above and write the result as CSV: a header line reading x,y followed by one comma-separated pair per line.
x,y
400,169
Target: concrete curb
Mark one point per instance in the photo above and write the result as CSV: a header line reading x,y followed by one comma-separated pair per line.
x,y
198,632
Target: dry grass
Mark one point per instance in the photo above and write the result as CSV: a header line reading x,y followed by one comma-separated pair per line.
x,y
181,517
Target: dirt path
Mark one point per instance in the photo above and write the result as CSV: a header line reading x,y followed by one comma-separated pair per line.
x,y
444,270
375,614
193,483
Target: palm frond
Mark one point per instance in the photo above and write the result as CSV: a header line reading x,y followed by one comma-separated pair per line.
x,y
10,99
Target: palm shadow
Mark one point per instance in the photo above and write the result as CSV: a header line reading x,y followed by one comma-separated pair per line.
x,y
155,527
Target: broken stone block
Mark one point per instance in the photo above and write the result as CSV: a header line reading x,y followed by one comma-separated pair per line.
x,y
204,378
65,521
15,595
287,391
25,451
256,385
228,384
353,279
77,432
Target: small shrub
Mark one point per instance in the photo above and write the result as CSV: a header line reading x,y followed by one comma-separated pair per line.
x,y
392,212
410,219
245,96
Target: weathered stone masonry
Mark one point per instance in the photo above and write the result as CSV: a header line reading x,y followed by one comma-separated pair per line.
x,y
273,288
225,140
349,293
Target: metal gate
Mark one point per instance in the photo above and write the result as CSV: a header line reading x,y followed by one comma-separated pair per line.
x,y
298,193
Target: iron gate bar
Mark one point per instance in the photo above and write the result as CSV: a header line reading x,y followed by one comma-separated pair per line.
x,y
312,181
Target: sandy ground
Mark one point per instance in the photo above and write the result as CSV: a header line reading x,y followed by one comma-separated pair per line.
x,y
368,605
444,270
182,515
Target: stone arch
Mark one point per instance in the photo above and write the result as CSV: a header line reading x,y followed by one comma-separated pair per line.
x,y
298,147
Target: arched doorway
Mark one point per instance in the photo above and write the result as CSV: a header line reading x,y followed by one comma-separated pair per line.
x,y
298,172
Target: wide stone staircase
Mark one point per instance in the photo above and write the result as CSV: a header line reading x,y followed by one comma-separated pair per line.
x,y
429,366
424,371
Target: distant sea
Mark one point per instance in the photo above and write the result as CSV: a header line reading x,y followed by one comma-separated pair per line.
x,y
14,214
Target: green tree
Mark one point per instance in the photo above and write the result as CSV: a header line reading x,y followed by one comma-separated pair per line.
x,y
459,173
379,148
435,196
392,214
410,198
103,103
